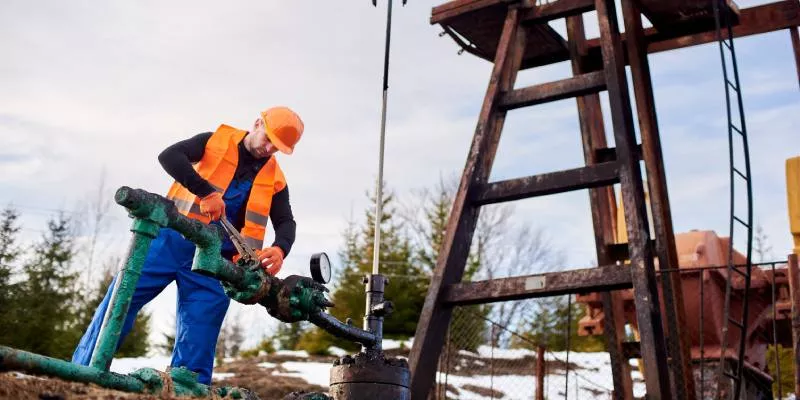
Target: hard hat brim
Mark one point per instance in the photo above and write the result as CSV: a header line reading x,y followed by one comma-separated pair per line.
x,y
282,147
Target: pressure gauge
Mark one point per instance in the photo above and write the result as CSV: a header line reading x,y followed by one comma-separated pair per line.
x,y
321,268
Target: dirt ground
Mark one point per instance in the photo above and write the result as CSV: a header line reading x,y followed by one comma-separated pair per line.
x,y
249,375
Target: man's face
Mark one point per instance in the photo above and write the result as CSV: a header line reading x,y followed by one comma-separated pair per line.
x,y
257,142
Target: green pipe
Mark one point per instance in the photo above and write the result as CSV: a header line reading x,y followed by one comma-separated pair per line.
x,y
106,346
12,359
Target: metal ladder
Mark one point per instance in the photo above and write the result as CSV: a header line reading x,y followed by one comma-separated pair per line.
x,y
736,134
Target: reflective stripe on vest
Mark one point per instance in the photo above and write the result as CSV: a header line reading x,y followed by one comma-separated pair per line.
x,y
218,166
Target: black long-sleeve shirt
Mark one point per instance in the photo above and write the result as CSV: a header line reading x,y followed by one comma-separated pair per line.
x,y
178,158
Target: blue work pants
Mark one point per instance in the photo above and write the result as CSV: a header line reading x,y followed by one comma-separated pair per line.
x,y
201,304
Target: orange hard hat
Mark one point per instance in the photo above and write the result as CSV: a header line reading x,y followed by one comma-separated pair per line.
x,y
283,127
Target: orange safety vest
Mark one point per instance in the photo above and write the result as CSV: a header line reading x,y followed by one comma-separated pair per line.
x,y
217,166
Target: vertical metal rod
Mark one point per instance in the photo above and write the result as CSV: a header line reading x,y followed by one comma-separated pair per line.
x,y
546,377
447,363
794,292
374,286
567,331
775,336
702,339
379,187
796,46
491,376
539,372
111,329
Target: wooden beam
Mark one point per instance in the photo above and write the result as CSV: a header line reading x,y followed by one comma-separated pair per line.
x,y
458,7
580,85
631,350
435,317
549,183
603,205
753,21
559,9
612,277
672,289
605,154
656,372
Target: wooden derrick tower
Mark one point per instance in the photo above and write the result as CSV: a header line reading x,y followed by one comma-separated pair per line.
x,y
515,35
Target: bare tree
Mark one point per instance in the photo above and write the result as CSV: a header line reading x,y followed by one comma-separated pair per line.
x,y
524,250
92,221
500,247
761,246
231,338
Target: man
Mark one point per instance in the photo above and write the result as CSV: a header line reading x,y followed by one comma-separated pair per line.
x,y
236,175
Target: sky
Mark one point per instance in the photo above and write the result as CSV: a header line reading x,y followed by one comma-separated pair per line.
x,y
92,91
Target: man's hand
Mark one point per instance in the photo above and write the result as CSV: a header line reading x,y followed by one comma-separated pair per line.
x,y
271,259
213,206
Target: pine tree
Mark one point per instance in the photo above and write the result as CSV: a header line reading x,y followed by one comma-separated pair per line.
x,y
9,255
169,343
231,337
288,335
548,325
405,290
761,246
136,343
468,324
49,294
407,281
318,342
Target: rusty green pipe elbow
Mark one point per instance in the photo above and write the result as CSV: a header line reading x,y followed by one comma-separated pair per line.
x,y
121,295
290,300
13,359
207,259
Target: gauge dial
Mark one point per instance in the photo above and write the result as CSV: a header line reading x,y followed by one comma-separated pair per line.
x,y
321,268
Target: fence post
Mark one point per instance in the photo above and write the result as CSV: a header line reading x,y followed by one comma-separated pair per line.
x,y
539,372
794,285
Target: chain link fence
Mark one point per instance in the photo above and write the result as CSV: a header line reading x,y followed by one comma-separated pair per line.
x,y
493,351
768,368
489,355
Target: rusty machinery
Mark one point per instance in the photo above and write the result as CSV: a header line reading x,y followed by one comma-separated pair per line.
x,y
702,256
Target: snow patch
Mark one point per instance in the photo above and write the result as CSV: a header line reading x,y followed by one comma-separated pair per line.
x,y
267,365
222,375
336,351
489,352
314,373
128,365
591,379
20,375
294,353
389,344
